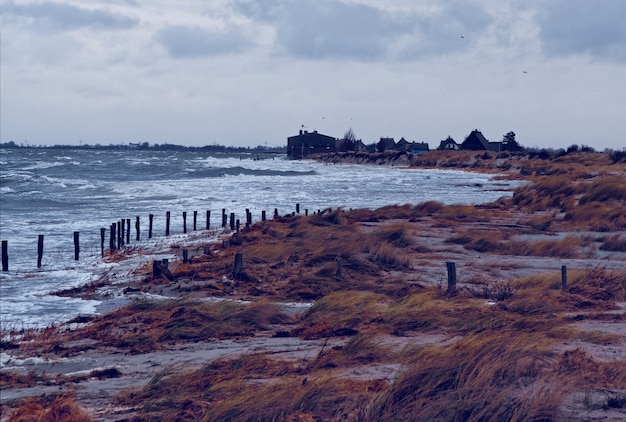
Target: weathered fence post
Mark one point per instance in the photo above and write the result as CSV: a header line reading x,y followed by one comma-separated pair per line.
x,y
248,218
451,276
167,223
238,266
5,255
339,267
237,226
137,228
185,256
232,221
563,277
306,212
151,219
103,233
195,221
208,219
39,250
128,231
184,221
120,234
224,218
275,213
297,208
263,216
112,242
76,245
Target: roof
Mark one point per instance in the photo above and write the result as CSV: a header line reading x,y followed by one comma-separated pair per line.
x,y
475,141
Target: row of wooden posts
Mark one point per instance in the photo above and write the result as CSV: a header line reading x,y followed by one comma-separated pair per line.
x,y
120,232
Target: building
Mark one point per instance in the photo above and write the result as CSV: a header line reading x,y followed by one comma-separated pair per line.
x,y
476,141
386,144
307,143
448,144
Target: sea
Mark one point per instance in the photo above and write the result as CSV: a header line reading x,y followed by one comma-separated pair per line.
x,y
55,192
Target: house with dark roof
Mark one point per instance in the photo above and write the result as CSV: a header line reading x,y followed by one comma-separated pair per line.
x,y
386,144
307,143
475,141
402,144
448,144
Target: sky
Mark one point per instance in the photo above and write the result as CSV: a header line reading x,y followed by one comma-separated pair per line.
x,y
253,72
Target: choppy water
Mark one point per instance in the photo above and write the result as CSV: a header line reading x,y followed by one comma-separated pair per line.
x,y
55,192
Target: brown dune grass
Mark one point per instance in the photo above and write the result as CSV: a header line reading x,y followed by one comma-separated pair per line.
x,y
49,409
147,325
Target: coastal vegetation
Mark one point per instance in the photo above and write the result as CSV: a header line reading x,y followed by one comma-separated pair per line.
x,y
384,337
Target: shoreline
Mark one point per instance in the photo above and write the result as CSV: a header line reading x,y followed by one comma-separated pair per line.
x,y
508,257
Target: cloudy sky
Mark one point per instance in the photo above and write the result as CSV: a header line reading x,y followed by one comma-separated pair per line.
x,y
252,72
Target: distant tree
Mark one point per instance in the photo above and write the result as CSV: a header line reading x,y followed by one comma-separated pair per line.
x,y
572,148
509,143
348,141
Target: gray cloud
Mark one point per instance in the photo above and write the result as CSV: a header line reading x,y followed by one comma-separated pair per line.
x,y
596,28
331,29
68,17
193,42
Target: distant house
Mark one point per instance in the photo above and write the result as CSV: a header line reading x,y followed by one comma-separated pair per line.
x,y
475,141
360,146
386,144
448,144
307,143
403,145
418,147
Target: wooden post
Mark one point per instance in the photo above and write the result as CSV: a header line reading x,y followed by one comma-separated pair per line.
x,y
238,266
339,267
137,228
232,221
224,218
195,221
167,223
39,250
275,213
563,277
112,242
306,212
208,219
237,226
76,245
5,255
103,233
151,219
185,256
297,208
451,276
184,221
120,234
156,269
128,231
263,216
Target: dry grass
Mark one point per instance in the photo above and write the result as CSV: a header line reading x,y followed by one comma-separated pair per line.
x,y
146,326
482,377
46,409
